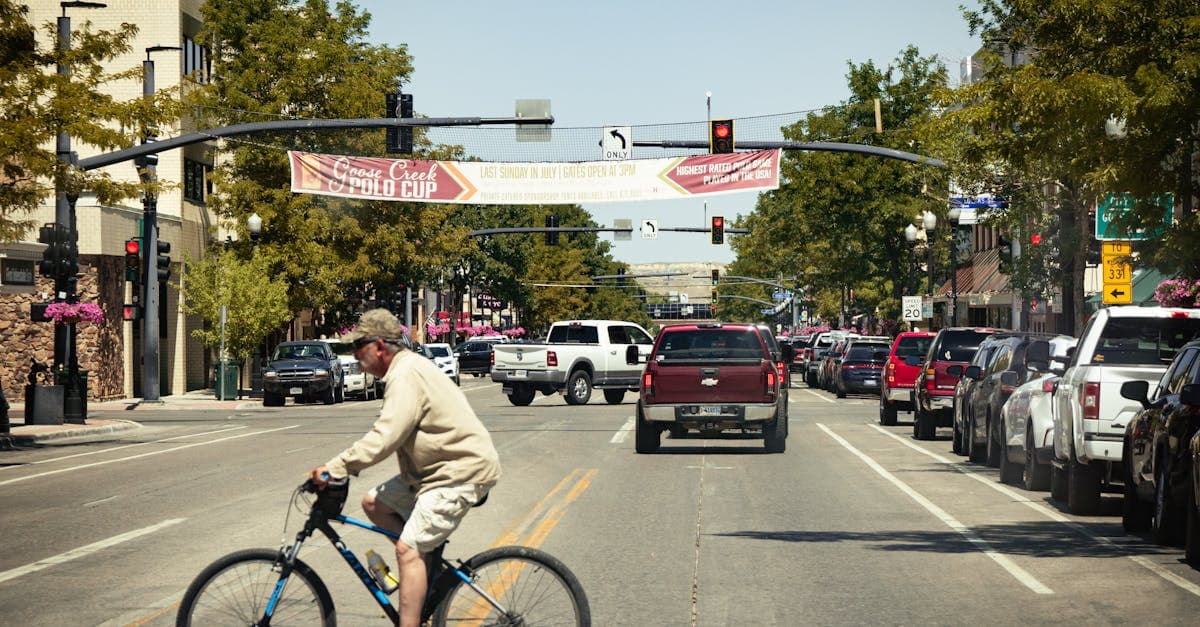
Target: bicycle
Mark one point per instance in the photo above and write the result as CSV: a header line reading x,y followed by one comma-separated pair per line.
x,y
508,585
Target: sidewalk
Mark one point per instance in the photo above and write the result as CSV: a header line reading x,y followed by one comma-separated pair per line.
x,y
103,417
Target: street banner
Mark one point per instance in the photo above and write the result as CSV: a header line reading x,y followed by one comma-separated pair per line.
x,y
489,183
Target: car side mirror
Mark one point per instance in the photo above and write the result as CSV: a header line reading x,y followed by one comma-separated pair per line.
x,y
955,371
1190,394
1136,391
1009,378
973,372
631,355
1070,353
1037,356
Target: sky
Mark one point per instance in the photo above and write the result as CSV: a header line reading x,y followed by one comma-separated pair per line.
x,y
619,62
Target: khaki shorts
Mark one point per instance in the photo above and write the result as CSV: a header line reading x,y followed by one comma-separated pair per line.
x,y
429,518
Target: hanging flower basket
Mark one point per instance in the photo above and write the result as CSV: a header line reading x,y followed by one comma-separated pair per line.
x,y
74,313
1178,293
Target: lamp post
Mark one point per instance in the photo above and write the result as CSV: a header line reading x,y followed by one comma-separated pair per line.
x,y
910,235
254,225
954,215
930,222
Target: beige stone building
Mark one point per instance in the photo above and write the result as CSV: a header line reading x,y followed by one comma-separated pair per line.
x,y
111,351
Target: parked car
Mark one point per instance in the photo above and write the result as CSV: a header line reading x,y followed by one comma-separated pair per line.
x,y
1158,461
443,357
799,360
357,383
830,362
1118,344
474,357
815,353
933,391
1007,369
900,372
303,370
960,408
711,378
860,369
1028,420
1192,542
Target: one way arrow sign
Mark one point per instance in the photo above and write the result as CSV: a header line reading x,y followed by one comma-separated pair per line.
x,y
616,143
1118,295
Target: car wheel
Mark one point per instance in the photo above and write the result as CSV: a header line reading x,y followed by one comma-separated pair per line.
x,y
1034,476
994,448
272,400
330,396
579,388
1165,525
457,381
1083,488
646,436
926,425
887,413
775,435
975,453
1191,551
614,397
810,380
839,390
522,395
1010,473
341,394
956,443
1058,483
1135,513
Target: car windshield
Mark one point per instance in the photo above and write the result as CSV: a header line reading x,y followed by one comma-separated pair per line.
x,y
1133,341
439,351
959,345
710,344
342,348
913,345
297,351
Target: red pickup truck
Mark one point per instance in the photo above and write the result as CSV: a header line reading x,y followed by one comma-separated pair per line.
x,y
713,378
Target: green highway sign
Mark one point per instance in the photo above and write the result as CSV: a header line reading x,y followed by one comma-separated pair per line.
x,y
1113,205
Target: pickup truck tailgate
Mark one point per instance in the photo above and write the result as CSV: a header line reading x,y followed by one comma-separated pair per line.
x,y
520,356
740,381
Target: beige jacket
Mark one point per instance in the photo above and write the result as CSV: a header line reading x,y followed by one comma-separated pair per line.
x,y
428,425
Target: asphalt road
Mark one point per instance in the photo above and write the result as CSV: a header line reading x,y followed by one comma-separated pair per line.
x,y
854,524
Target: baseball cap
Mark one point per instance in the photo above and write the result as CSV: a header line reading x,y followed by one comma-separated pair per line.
x,y
378,323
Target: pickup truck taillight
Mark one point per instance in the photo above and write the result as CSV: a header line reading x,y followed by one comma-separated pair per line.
x,y
648,382
891,373
930,376
1089,400
1049,385
551,358
771,379
780,367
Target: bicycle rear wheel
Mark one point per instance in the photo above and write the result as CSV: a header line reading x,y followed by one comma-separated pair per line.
x,y
532,587
235,589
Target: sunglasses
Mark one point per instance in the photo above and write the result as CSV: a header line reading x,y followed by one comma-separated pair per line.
x,y
363,341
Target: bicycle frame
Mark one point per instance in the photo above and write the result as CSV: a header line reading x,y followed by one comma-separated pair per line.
x,y
441,575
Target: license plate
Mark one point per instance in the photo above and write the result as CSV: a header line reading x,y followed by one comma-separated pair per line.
x,y
710,410
520,374
871,382
295,390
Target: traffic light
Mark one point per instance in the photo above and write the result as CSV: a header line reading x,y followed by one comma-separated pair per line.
x,y
720,137
717,229
714,298
133,260
1035,239
1004,248
552,223
163,262
399,138
48,235
620,276
131,312
716,276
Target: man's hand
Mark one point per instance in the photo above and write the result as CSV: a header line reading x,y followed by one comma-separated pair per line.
x,y
319,476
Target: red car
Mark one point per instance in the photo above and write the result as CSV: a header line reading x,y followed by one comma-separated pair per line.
x,y
900,373
933,392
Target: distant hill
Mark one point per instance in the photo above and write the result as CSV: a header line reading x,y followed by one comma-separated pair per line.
x,y
693,278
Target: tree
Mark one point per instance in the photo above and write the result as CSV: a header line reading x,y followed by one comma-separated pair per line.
x,y
256,302
39,103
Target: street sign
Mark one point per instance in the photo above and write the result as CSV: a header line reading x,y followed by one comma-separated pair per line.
x,y
1118,276
767,310
910,306
649,229
616,143
1113,205
781,295
622,223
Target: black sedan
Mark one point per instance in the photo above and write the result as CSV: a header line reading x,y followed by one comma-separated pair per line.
x,y
860,370
1158,462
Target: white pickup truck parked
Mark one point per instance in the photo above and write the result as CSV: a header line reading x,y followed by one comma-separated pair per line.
x,y
1118,344
578,355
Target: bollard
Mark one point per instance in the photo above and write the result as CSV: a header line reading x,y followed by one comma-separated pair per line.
x,y
5,427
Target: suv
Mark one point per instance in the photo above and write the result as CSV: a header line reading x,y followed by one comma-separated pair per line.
x,y
304,370
860,367
900,371
711,378
933,390
474,357
356,381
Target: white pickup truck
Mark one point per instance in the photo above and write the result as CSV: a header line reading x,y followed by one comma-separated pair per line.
x,y
578,355
1118,344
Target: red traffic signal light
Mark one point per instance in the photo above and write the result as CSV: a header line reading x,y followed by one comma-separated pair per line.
x,y
133,246
131,312
720,137
717,230
1035,239
133,259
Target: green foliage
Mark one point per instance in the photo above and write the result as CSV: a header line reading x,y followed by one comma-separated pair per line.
x,y
256,302
39,103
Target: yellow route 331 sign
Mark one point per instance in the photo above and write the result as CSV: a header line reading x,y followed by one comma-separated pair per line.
x,y
1118,276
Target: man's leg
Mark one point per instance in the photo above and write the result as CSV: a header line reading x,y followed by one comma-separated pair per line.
x,y
413,584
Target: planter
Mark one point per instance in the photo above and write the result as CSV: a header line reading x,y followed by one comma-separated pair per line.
x,y
44,404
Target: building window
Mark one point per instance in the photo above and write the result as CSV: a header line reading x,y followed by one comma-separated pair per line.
x,y
195,61
195,181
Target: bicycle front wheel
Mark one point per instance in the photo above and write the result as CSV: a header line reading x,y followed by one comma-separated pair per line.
x,y
235,590
529,587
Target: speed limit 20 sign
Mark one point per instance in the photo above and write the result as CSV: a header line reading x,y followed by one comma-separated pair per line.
x,y
911,308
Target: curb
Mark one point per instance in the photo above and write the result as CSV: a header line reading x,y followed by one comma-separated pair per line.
x,y
62,432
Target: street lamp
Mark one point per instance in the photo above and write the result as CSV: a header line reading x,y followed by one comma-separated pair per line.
x,y
254,224
954,215
930,222
910,235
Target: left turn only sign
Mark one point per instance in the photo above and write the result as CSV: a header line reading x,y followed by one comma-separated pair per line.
x,y
616,143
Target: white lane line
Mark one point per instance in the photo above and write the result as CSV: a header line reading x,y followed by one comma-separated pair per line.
x,y
824,398
117,448
623,432
476,388
1018,573
124,459
84,551
1052,514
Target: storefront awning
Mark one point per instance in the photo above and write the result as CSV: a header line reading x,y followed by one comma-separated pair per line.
x,y
979,275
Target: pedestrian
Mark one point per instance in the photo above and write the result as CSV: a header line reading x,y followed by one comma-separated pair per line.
x,y
447,460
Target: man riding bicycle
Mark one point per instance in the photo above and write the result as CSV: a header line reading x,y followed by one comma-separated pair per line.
x,y
447,460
